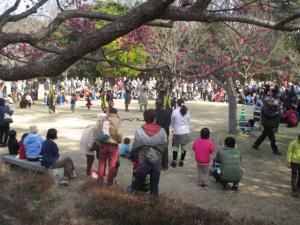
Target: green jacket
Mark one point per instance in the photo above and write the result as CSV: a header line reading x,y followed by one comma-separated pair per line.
x,y
293,154
230,160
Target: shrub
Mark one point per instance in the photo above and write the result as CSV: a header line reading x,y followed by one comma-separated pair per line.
x,y
135,209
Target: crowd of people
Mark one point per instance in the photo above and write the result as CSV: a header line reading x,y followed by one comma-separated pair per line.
x,y
150,148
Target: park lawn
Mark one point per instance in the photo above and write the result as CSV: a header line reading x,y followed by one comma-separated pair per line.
x,y
264,191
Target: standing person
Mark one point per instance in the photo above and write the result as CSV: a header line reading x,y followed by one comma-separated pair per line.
x,y
143,98
87,140
230,160
109,149
151,141
74,99
180,122
293,160
270,121
128,89
4,125
35,87
203,148
51,157
163,119
13,89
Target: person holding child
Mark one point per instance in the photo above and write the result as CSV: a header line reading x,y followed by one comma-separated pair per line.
x,y
109,147
87,141
229,159
293,160
51,157
203,148
150,141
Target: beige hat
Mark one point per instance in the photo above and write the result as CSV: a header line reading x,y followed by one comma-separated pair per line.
x,y
33,129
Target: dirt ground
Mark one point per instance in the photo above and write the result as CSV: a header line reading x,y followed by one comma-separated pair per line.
x,y
264,190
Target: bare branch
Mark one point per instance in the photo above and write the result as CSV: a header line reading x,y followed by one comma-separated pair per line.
x,y
192,14
3,17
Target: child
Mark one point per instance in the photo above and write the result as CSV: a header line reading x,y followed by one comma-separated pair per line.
x,y
22,153
88,102
125,150
293,160
73,102
12,143
203,148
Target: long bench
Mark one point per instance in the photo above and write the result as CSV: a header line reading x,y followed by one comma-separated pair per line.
x,y
31,165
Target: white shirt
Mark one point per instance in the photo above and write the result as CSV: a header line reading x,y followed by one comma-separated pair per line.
x,y
179,123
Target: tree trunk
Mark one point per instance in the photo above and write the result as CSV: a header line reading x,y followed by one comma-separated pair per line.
x,y
232,106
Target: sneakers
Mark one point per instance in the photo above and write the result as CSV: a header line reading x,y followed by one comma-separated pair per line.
x,y
235,187
174,164
64,182
73,175
94,175
277,153
204,186
226,187
181,163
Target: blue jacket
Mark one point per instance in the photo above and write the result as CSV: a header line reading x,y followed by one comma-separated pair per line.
x,y
33,145
50,153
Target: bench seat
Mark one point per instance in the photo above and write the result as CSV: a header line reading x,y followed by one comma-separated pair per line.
x,y
31,165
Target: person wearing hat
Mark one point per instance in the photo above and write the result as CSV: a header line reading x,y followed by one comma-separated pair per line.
x,y
87,141
33,144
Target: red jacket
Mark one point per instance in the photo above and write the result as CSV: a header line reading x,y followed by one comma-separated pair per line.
x,y
22,153
291,117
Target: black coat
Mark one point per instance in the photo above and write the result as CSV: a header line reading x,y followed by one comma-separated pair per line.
x,y
163,119
270,116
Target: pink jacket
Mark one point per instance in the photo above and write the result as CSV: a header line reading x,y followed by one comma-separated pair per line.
x,y
203,149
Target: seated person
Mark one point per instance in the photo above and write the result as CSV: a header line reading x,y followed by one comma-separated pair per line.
x,y
12,143
290,117
22,153
25,101
230,160
33,144
51,158
125,150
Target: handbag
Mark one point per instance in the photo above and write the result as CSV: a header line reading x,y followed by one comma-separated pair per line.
x,y
152,155
7,118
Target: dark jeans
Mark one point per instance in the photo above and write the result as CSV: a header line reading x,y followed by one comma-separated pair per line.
x,y
295,176
4,129
140,176
221,181
268,131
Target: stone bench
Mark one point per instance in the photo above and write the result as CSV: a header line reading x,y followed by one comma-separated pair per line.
x,y
31,165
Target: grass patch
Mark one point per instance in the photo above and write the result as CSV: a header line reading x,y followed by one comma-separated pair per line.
x,y
133,209
26,197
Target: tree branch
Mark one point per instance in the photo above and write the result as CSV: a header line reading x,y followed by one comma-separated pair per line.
x,y
3,17
138,16
192,14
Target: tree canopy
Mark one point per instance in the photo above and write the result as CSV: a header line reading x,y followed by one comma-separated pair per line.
x,y
54,51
